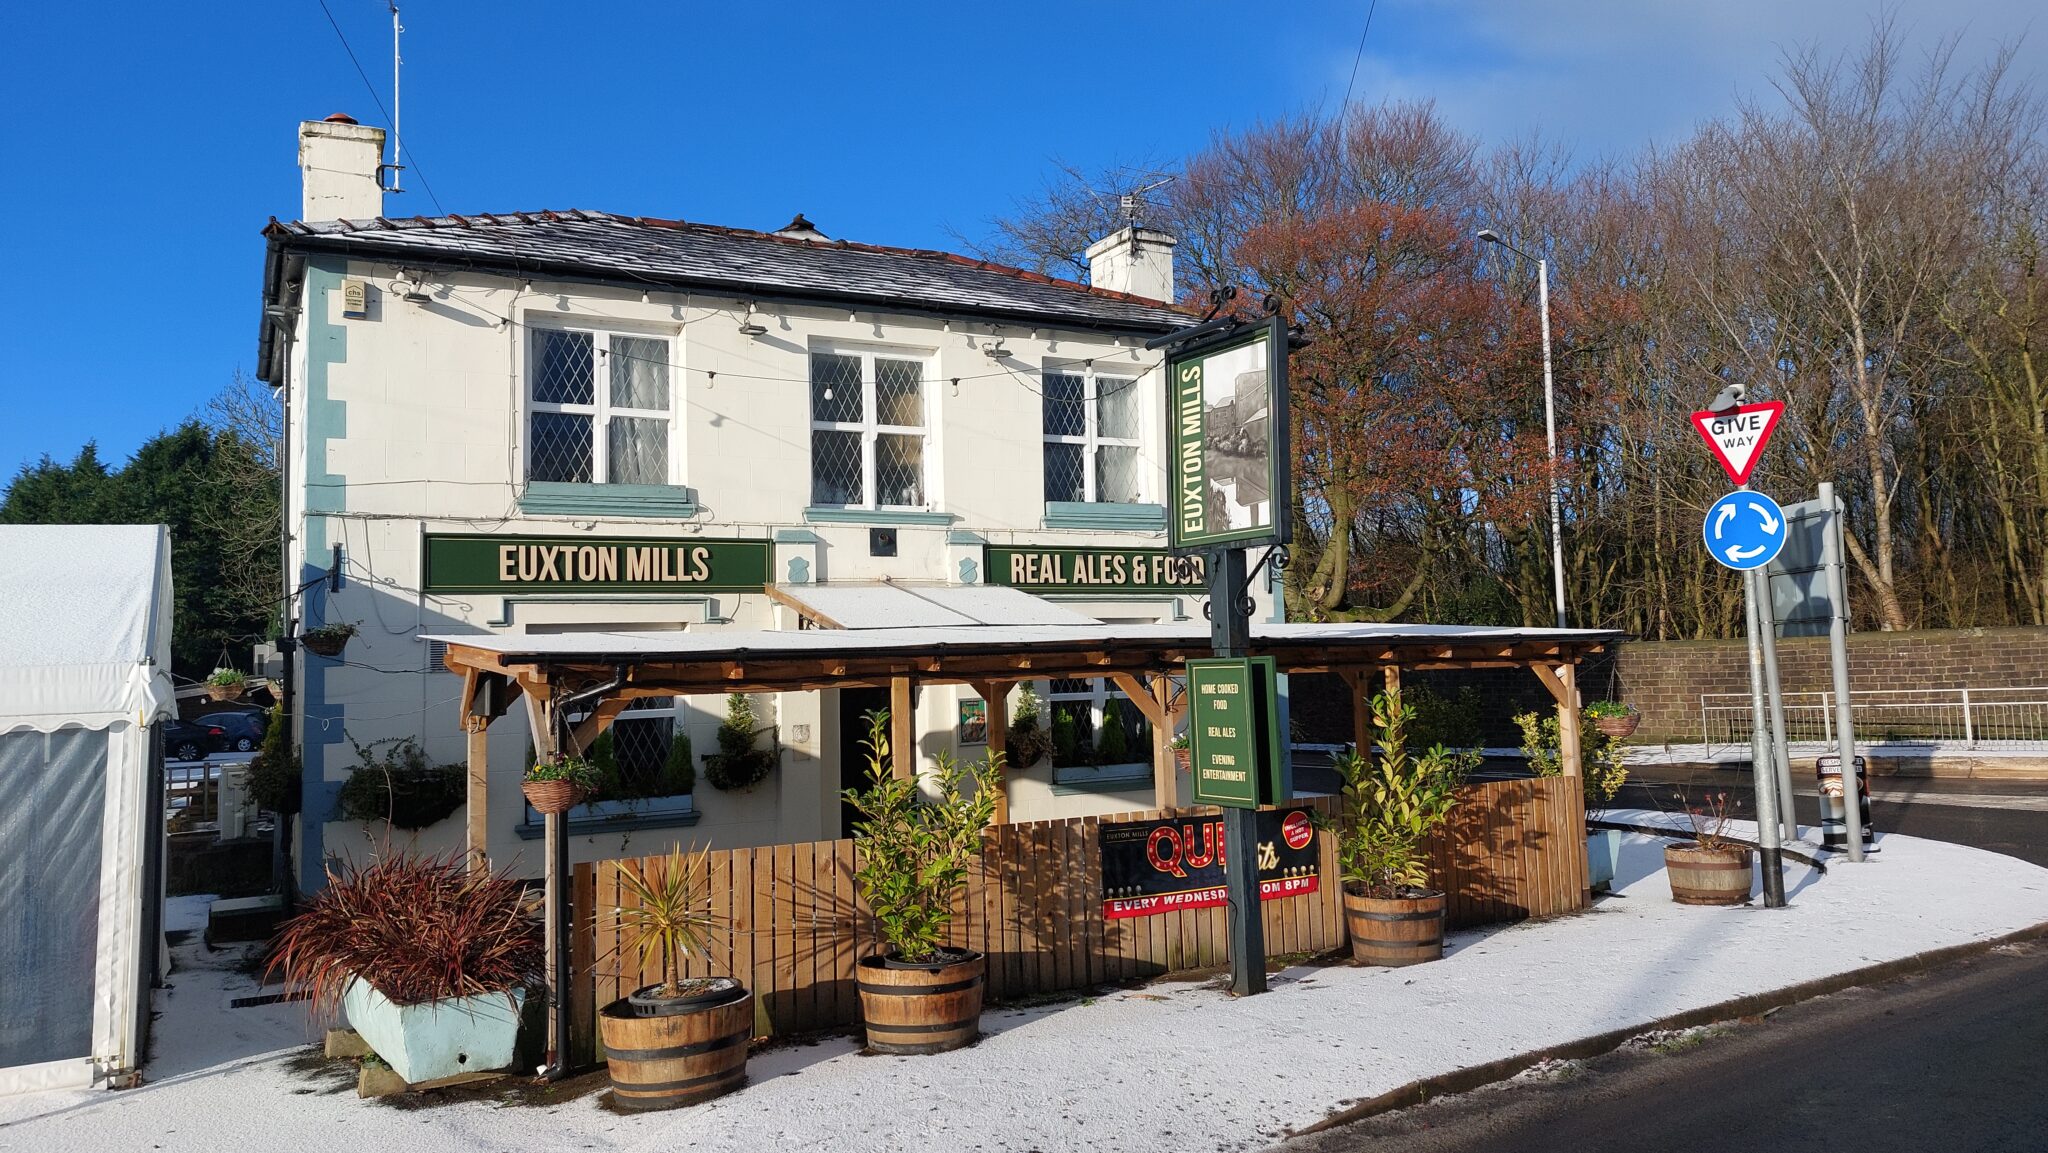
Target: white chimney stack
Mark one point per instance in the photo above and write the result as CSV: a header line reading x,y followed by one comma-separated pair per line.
x,y
1135,260
339,162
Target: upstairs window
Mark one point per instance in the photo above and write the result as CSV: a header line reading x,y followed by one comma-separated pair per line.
x,y
868,431
599,408
1091,437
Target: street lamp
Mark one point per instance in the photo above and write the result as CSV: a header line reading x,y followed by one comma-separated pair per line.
x,y
1489,236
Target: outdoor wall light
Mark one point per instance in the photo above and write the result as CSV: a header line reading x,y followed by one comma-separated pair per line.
x,y
996,351
750,326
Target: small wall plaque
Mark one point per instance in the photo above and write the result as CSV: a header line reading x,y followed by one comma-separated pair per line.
x,y
355,299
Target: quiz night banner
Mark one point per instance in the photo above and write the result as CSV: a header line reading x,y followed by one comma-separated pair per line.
x,y
1153,867
1082,570
458,563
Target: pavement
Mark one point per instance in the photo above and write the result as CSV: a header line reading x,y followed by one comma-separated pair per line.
x,y
1953,1059
1173,1065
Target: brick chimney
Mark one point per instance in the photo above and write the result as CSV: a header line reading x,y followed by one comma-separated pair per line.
x,y
338,167
1134,260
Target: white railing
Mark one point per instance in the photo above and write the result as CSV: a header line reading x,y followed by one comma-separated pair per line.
x,y
2008,719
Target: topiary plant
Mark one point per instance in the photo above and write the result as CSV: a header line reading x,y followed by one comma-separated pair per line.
x,y
737,764
1029,741
679,771
275,783
1114,747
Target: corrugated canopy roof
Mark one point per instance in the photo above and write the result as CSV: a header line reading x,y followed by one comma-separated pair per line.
x,y
885,605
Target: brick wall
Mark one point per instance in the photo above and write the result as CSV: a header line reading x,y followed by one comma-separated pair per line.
x,y
1664,679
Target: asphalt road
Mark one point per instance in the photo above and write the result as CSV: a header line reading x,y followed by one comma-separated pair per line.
x,y
1955,1061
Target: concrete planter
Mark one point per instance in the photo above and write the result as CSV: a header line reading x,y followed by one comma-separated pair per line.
x,y
437,1039
1603,849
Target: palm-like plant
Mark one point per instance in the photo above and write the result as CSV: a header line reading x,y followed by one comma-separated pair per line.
x,y
669,918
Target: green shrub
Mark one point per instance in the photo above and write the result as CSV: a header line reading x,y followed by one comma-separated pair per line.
x,y
1114,747
394,782
1029,742
914,853
679,771
1440,720
1391,805
1601,769
275,779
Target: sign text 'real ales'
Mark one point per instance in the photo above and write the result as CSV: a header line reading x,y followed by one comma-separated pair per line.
x,y
1082,570
478,563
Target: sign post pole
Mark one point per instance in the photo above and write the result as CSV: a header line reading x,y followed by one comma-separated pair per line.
x,y
1769,847
1229,636
1836,564
1781,757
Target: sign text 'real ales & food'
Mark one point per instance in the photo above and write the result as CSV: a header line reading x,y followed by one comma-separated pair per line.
x,y
1062,570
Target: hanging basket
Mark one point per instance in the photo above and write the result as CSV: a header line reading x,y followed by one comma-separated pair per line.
x,y
326,646
549,798
231,692
1183,760
1620,728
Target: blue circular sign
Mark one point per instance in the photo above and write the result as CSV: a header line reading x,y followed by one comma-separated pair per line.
x,y
1744,530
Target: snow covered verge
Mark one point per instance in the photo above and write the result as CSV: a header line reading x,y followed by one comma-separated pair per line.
x,y
1175,1066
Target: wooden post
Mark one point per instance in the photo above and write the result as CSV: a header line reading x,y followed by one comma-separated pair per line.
x,y
1361,711
1165,776
902,730
997,697
477,819
1393,677
1570,743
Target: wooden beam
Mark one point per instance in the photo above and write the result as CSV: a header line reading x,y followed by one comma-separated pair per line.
x,y
600,719
902,730
1139,695
1165,777
997,698
1570,743
477,787
1392,673
788,600
1551,681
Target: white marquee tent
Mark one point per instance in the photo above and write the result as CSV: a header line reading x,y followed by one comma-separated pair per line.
x,y
85,652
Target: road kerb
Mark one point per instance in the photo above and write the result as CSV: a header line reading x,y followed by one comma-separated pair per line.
x,y
1477,1076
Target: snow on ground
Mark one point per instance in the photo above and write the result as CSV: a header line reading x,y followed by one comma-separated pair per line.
x,y
1174,1066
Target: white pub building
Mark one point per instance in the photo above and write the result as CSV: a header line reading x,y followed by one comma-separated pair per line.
x,y
573,421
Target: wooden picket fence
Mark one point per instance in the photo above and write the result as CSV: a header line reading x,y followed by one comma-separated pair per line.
x,y
793,927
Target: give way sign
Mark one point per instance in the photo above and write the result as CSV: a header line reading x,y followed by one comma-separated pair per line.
x,y
1737,437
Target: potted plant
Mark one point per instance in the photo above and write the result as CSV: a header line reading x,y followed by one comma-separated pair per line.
x,y
1601,775
680,1040
912,856
1183,757
1713,868
327,640
1614,718
558,785
1029,741
1390,806
738,765
428,959
225,684
394,782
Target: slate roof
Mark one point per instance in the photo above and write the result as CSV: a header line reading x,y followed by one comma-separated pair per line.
x,y
645,252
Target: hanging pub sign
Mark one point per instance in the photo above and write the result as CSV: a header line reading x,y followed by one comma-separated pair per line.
x,y
1092,570
1152,867
459,563
1228,474
1233,731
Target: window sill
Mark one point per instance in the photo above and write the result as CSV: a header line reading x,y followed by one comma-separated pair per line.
x,y
1103,515
831,514
668,500
1108,779
618,817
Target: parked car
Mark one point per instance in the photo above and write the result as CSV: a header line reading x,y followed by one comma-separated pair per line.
x,y
193,740
243,728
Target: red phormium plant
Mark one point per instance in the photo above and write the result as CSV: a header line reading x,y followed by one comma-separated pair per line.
x,y
418,928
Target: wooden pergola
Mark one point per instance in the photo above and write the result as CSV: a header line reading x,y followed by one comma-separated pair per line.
x,y
596,675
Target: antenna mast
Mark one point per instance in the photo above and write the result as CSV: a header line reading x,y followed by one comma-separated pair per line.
x,y
396,166
1133,203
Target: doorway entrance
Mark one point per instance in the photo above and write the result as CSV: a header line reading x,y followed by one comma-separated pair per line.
x,y
854,706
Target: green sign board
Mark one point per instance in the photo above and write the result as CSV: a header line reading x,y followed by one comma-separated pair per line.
x,y
1234,741
1089,570
1227,413
459,563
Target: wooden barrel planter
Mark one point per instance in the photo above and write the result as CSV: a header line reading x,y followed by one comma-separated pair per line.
x,y
912,1009
1708,876
1395,931
677,1051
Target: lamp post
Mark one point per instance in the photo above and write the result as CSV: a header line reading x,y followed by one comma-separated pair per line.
x,y
1489,236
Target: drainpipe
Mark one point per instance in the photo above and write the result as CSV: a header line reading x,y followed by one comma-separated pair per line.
x,y
560,922
287,635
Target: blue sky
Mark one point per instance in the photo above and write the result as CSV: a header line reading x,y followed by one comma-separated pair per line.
x,y
148,143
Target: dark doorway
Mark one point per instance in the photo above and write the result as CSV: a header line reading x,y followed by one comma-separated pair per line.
x,y
854,705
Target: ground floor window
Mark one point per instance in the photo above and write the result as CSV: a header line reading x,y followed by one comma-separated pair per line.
x,y
646,756
1097,735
